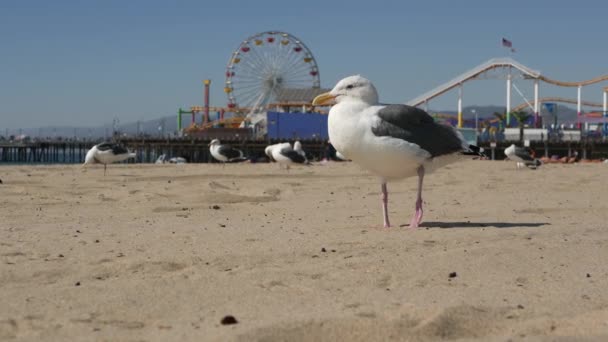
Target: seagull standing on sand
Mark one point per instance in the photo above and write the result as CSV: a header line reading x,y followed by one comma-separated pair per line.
x,y
392,141
107,153
225,153
522,156
285,154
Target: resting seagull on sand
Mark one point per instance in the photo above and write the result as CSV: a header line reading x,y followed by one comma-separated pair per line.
x,y
522,156
225,153
393,141
107,153
268,150
285,154
297,146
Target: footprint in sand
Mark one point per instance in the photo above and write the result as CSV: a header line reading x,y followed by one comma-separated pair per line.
x,y
13,254
104,198
232,198
130,325
8,329
272,192
157,266
115,323
384,282
215,185
463,322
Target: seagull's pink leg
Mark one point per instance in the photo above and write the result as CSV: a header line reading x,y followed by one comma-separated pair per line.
x,y
385,205
417,218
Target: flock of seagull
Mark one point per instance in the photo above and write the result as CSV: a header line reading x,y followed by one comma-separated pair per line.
x,y
393,141
281,153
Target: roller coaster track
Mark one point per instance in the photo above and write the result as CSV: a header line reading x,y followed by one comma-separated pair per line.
x,y
499,63
558,99
574,84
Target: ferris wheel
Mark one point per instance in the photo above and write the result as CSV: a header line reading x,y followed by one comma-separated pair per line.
x,y
265,64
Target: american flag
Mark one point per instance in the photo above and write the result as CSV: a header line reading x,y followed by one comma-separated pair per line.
x,y
507,43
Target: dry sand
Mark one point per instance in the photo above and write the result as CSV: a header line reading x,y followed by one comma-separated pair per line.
x,y
164,252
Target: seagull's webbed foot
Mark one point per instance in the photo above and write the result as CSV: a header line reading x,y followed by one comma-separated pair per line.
x,y
417,217
414,222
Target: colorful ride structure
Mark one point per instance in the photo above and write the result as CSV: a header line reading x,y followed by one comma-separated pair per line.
x,y
509,68
268,70
264,65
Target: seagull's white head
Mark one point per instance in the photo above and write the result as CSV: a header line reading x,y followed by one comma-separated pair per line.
x,y
297,146
352,88
214,142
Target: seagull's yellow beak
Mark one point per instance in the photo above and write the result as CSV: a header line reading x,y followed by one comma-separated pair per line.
x,y
325,99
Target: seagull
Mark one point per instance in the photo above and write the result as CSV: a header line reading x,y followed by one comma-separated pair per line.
x,y
340,156
392,141
522,156
337,155
297,146
269,148
162,159
285,154
225,153
107,153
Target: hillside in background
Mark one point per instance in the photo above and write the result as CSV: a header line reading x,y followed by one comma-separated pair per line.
x,y
154,127
564,114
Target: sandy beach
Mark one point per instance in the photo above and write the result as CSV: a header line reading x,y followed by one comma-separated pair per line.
x,y
165,252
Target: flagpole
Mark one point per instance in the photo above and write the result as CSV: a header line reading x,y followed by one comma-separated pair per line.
x,y
508,118
509,45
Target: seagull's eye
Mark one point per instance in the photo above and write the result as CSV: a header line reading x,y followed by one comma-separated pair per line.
x,y
350,86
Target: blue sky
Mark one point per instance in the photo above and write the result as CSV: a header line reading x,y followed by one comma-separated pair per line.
x,y
84,62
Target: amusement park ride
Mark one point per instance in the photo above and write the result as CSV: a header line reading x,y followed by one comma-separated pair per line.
x,y
271,69
274,70
509,69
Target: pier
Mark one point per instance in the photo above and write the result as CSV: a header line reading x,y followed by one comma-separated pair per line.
x,y
196,150
44,152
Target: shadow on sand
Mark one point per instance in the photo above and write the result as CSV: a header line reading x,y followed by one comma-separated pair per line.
x,y
469,224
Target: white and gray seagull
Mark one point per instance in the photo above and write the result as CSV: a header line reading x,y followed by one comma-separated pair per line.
x,y
285,154
268,150
107,153
522,156
297,146
393,141
225,153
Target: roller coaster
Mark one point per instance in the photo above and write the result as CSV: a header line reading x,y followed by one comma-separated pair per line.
x,y
521,106
574,84
508,65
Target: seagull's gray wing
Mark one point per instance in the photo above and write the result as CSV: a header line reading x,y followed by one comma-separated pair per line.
x,y
523,154
418,127
116,148
229,152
